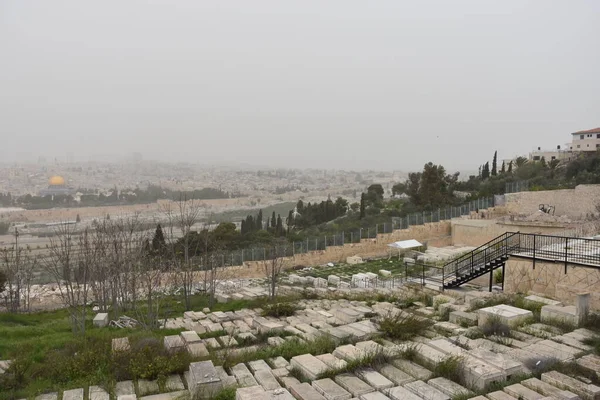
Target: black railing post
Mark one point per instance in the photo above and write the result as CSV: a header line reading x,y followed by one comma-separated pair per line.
x,y
503,274
491,277
443,279
566,254
533,252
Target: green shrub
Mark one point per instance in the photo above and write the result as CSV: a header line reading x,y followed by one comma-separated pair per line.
x,y
279,310
498,276
495,327
150,360
403,326
226,394
451,368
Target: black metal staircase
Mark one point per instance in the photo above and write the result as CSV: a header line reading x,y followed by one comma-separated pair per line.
x,y
480,261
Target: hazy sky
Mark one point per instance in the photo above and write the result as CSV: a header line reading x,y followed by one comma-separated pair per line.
x,y
335,84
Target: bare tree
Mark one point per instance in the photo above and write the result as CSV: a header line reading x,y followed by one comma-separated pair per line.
x,y
17,264
69,261
183,217
273,265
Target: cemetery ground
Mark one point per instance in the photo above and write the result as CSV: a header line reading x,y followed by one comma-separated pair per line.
x,y
317,343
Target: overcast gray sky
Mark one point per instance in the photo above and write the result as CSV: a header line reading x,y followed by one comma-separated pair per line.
x,y
335,84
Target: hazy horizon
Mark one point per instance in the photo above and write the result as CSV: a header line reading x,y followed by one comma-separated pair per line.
x,y
340,84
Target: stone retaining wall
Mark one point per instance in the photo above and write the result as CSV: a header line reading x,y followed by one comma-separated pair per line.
x,y
548,279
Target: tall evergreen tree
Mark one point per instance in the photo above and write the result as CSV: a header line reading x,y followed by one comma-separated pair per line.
x,y
273,220
510,166
279,225
503,170
495,164
362,205
290,219
485,172
158,241
243,227
259,221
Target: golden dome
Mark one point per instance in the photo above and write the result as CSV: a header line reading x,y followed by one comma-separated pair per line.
x,y
57,181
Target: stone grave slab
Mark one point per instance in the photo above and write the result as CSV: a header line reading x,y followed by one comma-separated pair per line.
x,y
127,397
228,341
146,387
353,385
243,375
120,344
124,388
203,379
331,390
101,320
266,379
374,378
212,343
448,387
190,337
509,315
173,343
279,362
97,393
310,366
584,390
258,365
414,370
348,352
174,383
289,381
74,394
425,391
47,396
548,390
181,394
500,395
197,350
395,375
400,393
521,392
373,396
332,361
303,391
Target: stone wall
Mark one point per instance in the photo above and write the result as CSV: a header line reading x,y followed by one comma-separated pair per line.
x,y
575,203
436,234
549,279
475,232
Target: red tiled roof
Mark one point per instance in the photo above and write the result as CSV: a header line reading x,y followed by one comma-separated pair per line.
x,y
595,130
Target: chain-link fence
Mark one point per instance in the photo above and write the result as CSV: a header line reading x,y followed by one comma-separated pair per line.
x,y
514,187
355,236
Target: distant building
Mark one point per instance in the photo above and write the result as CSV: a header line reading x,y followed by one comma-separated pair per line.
x,y
57,186
586,140
581,141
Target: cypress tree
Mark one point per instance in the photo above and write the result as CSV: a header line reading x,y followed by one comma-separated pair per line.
x,y
259,221
279,225
273,220
362,205
503,170
495,164
510,167
158,241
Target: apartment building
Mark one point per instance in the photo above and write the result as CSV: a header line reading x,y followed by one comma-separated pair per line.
x,y
586,140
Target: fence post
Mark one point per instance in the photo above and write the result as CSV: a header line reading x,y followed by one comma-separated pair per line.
x,y
534,251
566,255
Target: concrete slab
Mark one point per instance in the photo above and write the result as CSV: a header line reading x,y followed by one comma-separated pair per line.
x,y
395,375
97,393
374,396
425,391
243,375
266,379
203,380
179,395
500,395
47,396
310,366
146,387
190,337
258,365
73,394
448,387
374,378
197,350
548,390
509,315
353,385
400,393
173,383
124,388
331,390
415,370
521,392
332,361
289,381
251,393
584,390
304,391
173,343
279,362
101,320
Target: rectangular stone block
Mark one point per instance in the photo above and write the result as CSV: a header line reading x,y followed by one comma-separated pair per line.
x,y
548,390
204,380
353,385
448,387
395,375
500,395
331,390
173,343
584,390
181,394
101,320
197,350
373,396
146,387
304,391
425,391
190,337
374,378
310,366
97,393
415,370
120,344
266,379
508,315
521,392
173,383
400,393
463,318
243,375
74,394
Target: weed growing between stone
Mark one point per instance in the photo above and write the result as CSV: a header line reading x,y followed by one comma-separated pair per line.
x,y
403,326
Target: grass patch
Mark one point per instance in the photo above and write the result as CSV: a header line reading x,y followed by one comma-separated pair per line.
x,y
495,327
226,394
403,326
410,353
279,310
451,368
368,360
